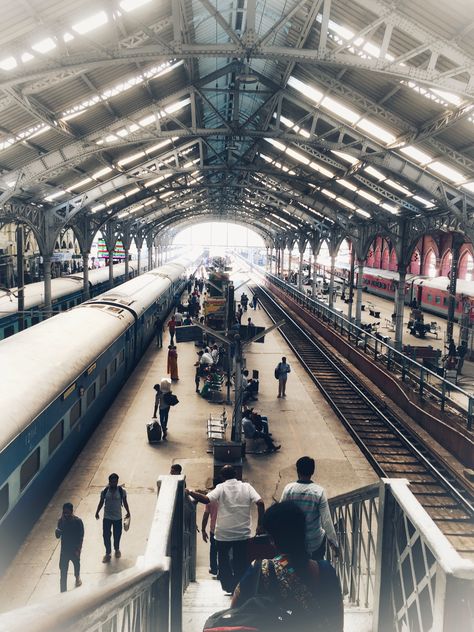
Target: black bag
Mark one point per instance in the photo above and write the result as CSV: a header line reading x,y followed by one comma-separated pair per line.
x,y
257,614
277,371
170,399
154,432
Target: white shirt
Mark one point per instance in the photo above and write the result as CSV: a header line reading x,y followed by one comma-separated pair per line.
x,y
206,358
235,500
215,355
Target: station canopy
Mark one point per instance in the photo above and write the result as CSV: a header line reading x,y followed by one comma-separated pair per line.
x,y
294,117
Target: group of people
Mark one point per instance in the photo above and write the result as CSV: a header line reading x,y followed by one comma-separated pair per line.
x,y
70,529
454,359
299,528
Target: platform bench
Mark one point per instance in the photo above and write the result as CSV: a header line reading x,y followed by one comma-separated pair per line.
x,y
216,427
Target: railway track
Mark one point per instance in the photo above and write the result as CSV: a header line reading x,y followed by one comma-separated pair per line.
x,y
392,449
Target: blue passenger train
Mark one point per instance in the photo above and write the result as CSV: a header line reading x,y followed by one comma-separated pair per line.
x,y
66,293
58,379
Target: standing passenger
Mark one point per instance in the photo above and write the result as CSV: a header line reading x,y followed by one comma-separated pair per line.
x,y
159,333
211,512
233,526
281,372
173,363
172,329
311,499
254,301
70,530
113,497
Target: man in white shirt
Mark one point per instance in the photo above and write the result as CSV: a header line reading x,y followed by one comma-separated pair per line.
x,y
233,525
206,358
311,499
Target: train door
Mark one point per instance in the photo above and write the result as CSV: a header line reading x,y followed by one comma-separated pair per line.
x,y
419,294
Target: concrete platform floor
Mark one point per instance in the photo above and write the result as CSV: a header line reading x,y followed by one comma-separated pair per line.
x,y
302,422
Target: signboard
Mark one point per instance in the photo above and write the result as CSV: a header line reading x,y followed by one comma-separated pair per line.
x,y
103,253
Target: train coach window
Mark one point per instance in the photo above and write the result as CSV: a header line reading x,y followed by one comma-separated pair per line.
x,y
75,413
90,395
113,367
103,379
29,468
4,502
122,357
445,300
8,331
63,307
35,320
437,300
56,436
430,298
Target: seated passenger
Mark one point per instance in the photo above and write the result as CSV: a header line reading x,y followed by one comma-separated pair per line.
x,y
250,432
309,589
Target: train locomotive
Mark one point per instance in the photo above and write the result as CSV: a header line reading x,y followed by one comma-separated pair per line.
x,y
59,378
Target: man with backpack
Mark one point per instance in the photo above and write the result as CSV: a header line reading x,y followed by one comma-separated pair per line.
x,y
281,374
112,498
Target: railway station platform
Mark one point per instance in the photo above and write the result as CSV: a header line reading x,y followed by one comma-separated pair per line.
x,y
385,309
303,423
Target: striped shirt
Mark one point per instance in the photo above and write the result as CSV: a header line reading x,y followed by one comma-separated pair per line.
x,y
311,499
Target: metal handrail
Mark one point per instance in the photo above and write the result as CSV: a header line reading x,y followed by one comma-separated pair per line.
x,y
151,577
407,364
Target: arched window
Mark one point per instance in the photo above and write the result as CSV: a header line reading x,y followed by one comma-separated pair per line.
x,y
393,266
415,263
466,267
446,263
430,265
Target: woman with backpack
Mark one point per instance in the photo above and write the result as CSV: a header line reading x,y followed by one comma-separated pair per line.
x,y
290,591
164,399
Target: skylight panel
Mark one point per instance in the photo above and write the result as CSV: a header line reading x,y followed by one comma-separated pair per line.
x,y
276,144
128,159
390,208
297,156
375,173
53,196
97,207
8,63
448,96
26,57
347,184
469,186
369,196
446,171
44,46
346,157
361,211
325,172
89,24
160,145
345,202
376,131
340,110
131,5
416,154
117,198
309,91
79,184
163,196
132,191
423,201
397,187
67,37
328,194
102,172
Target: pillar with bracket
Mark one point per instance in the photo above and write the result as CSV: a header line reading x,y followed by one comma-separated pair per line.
x,y
400,305
360,284
85,275
47,284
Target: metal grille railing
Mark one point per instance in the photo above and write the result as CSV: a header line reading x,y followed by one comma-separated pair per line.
x,y
428,383
145,598
355,517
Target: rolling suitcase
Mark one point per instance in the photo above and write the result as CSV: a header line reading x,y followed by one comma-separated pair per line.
x,y
153,430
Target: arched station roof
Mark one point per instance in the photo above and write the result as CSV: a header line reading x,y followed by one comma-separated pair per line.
x,y
298,117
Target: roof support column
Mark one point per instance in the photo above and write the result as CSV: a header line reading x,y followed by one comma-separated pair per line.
x,y
149,245
360,283
301,248
351,284
315,247
47,284
110,238
400,305
453,279
85,275
331,280
20,245
139,237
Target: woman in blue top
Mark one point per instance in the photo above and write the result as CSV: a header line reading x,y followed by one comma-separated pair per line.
x,y
309,589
